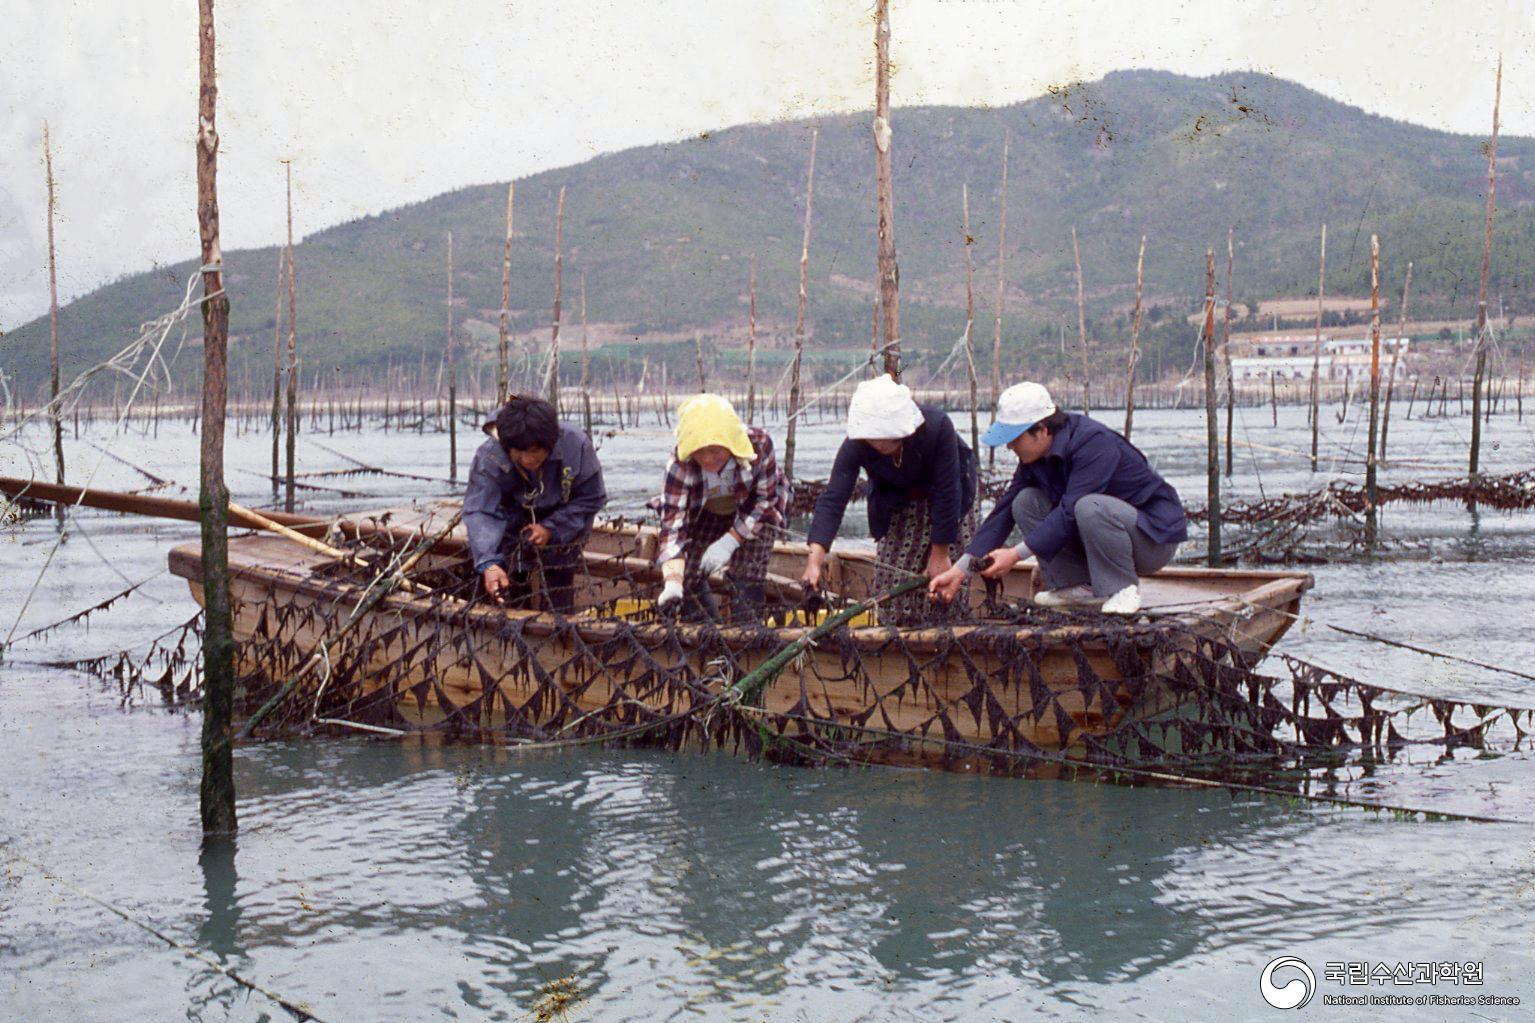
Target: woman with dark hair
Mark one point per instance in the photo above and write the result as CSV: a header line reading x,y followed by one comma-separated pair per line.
x,y
921,493
534,490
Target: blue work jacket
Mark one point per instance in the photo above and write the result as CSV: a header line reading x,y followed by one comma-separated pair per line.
x,y
1085,457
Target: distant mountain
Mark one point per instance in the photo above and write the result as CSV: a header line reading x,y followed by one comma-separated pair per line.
x,y
664,234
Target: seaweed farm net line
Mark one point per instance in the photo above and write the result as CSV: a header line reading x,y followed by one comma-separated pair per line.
x,y
1004,688
1284,529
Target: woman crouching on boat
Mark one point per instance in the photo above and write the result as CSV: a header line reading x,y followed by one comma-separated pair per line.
x,y
921,494
1089,506
534,489
723,503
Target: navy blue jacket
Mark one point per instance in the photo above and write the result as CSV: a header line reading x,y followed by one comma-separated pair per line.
x,y
1086,457
936,466
565,495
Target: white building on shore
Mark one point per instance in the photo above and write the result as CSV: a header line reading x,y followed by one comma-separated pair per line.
x,y
1286,358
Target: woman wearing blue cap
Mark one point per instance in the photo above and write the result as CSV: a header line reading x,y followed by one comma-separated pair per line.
x,y
1088,504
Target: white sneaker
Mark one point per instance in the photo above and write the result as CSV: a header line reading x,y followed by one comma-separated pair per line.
x,y
1065,596
1126,602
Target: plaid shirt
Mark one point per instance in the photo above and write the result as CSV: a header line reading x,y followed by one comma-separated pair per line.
x,y
761,493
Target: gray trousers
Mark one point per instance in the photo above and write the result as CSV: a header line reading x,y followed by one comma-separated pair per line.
x,y
1112,551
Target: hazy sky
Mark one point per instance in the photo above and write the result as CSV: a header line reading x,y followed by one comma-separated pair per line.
x,y
382,102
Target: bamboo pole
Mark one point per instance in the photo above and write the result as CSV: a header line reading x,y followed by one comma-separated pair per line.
x,y
751,347
1226,348
282,262
57,424
1135,341
1396,353
554,331
1087,387
1212,431
217,791
996,330
503,350
452,377
586,365
1371,524
1481,303
292,439
975,427
889,273
698,359
799,318
1316,355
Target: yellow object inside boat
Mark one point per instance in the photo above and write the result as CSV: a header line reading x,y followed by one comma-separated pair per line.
x,y
629,608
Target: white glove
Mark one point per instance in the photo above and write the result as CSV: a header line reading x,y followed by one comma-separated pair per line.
x,y
671,593
718,553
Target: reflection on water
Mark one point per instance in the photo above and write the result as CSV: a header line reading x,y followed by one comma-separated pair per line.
x,y
377,880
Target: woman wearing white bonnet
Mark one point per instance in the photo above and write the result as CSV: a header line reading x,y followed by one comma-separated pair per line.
x,y
921,493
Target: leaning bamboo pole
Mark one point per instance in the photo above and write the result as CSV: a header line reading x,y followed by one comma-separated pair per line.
x,y
56,422
452,377
1396,353
554,330
1371,523
889,273
1212,430
586,365
996,330
799,319
1480,372
1135,341
282,263
751,346
975,428
292,426
504,333
217,791
1316,355
1226,348
1087,386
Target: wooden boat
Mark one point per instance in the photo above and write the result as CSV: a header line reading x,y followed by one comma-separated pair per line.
x,y
978,685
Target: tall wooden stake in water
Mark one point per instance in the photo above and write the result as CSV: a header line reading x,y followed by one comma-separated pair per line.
x,y
1226,348
218,786
1212,429
292,444
1316,355
282,262
452,377
586,365
1370,521
751,347
1480,372
1396,353
503,380
53,331
799,319
1135,341
975,428
996,330
554,334
889,274
1087,387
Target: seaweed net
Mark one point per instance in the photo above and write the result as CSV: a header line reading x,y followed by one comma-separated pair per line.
x,y
1312,526
1008,688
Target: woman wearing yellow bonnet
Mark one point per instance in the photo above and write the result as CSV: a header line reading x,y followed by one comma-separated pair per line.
x,y
723,503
